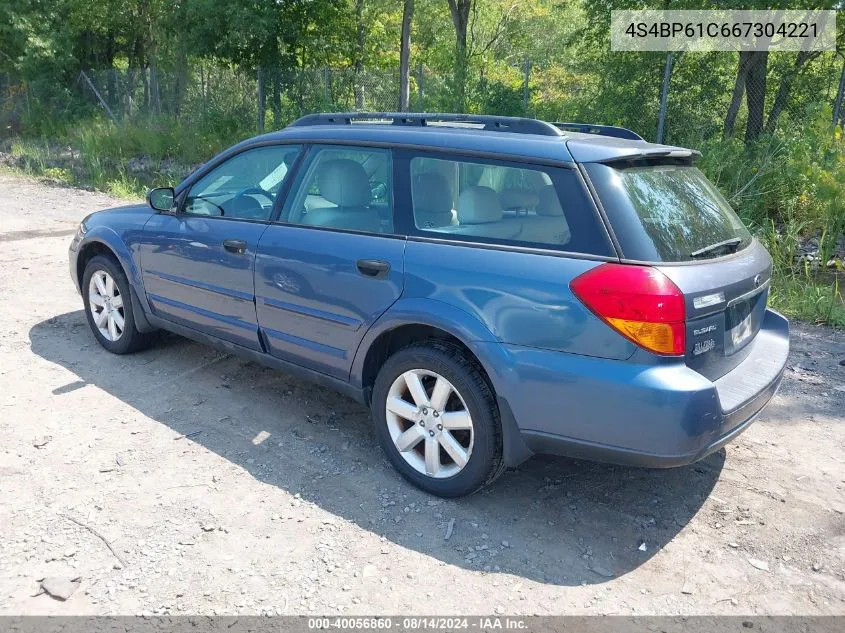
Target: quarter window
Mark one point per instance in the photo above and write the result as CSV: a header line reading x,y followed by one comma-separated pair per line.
x,y
503,203
245,186
344,188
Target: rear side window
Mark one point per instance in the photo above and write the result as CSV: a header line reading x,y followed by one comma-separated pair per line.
x,y
498,202
667,213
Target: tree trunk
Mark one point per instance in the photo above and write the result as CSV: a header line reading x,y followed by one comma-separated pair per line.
x,y
181,83
277,99
755,95
111,83
135,62
261,103
405,57
785,88
155,97
146,80
837,102
359,54
460,10
738,93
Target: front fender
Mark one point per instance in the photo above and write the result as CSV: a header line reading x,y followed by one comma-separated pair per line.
x,y
109,237
129,260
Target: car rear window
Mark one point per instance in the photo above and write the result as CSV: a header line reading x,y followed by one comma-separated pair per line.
x,y
667,213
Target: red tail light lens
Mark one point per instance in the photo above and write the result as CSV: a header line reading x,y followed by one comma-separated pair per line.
x,y
639,302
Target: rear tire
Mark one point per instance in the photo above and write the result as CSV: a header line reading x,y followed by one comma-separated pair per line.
x,y
108,307
437,420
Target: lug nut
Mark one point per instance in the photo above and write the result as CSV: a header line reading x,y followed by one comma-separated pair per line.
x,y
425,411
422,422
439,427
431,433
436,413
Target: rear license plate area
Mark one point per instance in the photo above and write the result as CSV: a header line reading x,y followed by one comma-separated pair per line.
x,y
743,320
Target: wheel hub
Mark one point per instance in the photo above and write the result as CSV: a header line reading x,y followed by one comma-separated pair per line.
x,y
429,423
106,305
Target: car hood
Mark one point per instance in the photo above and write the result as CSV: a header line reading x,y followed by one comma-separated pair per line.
x,y
130,214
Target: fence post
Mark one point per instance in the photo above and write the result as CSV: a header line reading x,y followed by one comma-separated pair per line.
x,y
261,104
420,86
526,93
664,94
837,104
326,87
100,98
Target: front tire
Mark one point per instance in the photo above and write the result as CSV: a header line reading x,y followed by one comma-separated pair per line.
x,y
108,307
437,420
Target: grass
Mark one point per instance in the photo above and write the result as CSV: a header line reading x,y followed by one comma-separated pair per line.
x,y
63,165
123,161
810,297
798,290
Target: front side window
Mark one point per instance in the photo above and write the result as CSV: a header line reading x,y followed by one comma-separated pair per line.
x,y
503,203
344,188
245,186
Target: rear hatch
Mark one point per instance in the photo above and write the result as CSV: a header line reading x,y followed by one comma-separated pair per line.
x,y
666,213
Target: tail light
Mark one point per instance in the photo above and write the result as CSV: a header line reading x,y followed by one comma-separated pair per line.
x,y
639,302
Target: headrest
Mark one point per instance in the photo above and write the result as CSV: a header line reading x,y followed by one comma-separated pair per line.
x,y
431,193
479,205
514,198
549,203
344,182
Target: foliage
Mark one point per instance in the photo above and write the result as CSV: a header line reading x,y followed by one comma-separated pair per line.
x,y
182,78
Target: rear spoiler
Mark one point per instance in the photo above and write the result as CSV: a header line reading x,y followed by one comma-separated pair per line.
x,y
602,130
655,156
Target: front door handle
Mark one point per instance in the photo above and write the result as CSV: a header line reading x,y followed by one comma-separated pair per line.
x,y
374,268
235,246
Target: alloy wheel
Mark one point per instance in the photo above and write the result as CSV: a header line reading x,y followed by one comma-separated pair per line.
x,y
106,305
429,423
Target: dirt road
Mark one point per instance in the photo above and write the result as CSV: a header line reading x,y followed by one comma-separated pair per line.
x,y
223,487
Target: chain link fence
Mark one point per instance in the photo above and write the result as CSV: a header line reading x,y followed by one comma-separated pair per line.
x,y
682,99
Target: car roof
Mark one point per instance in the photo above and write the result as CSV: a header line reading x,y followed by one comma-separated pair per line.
x,y
559,145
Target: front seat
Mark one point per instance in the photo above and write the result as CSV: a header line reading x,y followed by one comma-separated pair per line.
x,y
343,182
432,198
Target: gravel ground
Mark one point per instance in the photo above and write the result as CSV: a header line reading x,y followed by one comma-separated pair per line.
x,y
184,480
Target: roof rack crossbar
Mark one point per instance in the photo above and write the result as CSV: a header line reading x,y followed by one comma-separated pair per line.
x,y
604,130
515,125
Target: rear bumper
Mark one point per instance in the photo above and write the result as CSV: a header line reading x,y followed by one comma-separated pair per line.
x,y
640,413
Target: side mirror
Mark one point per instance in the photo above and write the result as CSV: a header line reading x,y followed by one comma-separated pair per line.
x,y
378,190
162,199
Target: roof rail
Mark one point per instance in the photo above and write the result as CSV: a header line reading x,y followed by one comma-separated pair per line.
x,y
515,125
603,130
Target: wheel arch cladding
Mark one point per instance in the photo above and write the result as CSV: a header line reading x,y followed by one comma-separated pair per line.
x,y
105,242
417,320
101,240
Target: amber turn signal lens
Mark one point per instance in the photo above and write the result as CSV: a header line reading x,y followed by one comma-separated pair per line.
x,y
639,302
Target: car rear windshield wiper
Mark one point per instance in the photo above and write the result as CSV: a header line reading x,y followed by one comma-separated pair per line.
x,y
728,245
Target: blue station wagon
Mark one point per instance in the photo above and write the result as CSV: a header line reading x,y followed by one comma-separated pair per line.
x,y
492,287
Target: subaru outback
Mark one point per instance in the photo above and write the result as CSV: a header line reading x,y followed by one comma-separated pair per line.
x,y
492,287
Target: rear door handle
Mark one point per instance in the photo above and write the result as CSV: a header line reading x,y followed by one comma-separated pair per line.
x,y
235,246
374,268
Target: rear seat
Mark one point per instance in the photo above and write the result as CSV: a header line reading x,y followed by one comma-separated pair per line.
x,y
480,213
549,226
